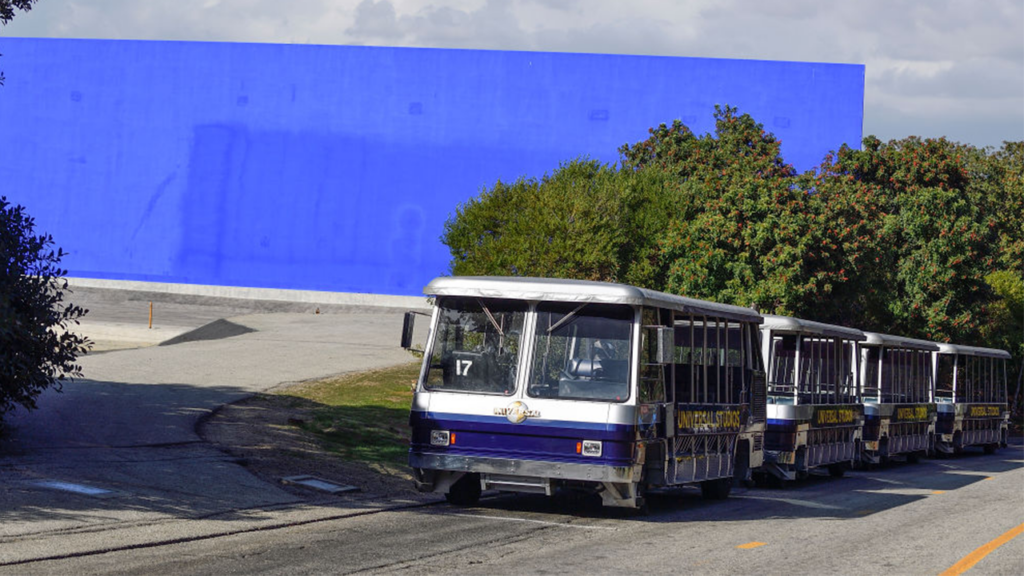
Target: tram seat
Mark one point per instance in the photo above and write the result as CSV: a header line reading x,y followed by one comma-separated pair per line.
x,y
598,379
583,368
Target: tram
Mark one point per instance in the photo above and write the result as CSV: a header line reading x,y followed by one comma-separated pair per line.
x,y
897,390
970,392
815,414
535,385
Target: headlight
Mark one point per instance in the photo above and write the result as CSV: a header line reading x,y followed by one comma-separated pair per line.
x,y
591,448
440,438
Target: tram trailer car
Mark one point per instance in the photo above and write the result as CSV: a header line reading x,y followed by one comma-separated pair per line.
x,y
971,397
815,413
897,387
533,385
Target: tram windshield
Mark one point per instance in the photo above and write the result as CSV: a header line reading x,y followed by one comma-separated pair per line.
x,y
944,378
581,351
477,346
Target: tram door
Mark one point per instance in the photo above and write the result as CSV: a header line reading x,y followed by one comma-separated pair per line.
x,y
655,413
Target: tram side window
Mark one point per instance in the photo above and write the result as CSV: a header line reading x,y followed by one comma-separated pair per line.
x,y
819,371
888,377
1000,379
964,378
581,352
708,361
944,378
848,392
477,346
869,385
924,378
990,380
736,381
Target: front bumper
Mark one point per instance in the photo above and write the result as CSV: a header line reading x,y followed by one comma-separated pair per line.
x,y
524,468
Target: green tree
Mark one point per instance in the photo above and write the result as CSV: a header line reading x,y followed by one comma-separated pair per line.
x,y
37,348
924,237
566,225
743,229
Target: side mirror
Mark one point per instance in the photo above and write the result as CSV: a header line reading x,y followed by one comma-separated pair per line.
x,y
664,344
408,326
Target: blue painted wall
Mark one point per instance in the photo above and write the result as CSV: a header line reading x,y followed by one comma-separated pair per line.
x,y
334,167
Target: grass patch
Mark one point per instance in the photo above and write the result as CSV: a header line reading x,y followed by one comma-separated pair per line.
x,y
362,416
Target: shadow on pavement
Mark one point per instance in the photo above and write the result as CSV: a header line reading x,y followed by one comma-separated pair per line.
x,y
858,495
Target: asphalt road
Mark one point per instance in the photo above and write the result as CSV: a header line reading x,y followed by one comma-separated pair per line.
x,y
110,477
909,519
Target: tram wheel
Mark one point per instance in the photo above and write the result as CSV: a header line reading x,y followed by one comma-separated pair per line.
x,y
837,470
465,492
716,489
643,503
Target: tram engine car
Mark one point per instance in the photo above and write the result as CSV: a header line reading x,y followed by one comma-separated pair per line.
x,y
534,385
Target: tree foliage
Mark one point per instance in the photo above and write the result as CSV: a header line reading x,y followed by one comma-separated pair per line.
x,y
37,349
7,8
928,235
739,233
919,237
582,221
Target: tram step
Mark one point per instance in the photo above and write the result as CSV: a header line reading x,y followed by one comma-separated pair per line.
x,y
529,484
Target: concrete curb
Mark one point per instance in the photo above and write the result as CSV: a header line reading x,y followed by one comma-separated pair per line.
x,y
266,294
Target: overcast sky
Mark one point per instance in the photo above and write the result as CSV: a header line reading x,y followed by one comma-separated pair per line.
x,y
951,68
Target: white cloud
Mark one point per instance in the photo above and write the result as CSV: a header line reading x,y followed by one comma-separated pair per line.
x,y
942,67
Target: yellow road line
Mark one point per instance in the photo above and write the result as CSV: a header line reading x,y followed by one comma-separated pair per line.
x,y
973,558
938,491
750,545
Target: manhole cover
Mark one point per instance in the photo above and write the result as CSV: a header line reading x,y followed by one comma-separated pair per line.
x,y
319,484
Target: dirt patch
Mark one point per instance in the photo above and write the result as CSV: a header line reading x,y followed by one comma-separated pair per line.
x,y
264,432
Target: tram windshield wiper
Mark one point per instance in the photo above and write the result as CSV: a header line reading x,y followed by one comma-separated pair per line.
x,y
565,318
490,317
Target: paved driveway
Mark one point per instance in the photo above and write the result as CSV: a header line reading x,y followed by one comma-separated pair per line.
x,y
115,458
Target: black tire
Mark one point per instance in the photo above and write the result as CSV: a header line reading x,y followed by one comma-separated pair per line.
x,y
990,448
465,492
914,457
716,489
643,503
837,470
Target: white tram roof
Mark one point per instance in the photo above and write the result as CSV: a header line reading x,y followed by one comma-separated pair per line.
x,y
972,351
799,325
580,291
879,339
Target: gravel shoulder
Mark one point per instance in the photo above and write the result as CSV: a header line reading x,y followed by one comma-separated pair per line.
x,y
263,433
